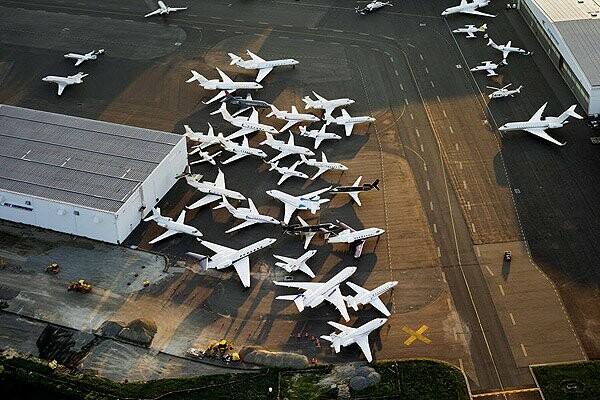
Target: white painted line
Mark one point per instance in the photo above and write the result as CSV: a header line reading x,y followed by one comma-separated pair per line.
x,y
238,20
439,251
434,228
469,205
283,37
354,45
337,30
432,84
410,45
456,145
401,87
412,117
417,132
450,308
425,166
473,227
288,25
192,15
309,40
363,34
489,270
450,128
444,277
438,98
406,101
422,149
512,318
444,112
396,71
460,362
523,349
220,30
460,165
421,55
263,23
431,205
334,42
501,290
478,250
391,58
426,70
428,187
239,33
465,185
375,49
388,37
215,17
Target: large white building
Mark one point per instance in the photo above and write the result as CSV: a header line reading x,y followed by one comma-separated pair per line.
x,y
83,177
569,32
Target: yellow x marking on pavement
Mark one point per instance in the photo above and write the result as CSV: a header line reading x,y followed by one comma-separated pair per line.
x,y
414,335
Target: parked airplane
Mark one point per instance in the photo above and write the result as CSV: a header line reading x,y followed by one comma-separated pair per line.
x,y
204,156
538,125
468,8
296,264
356,238
488,66
321,103
349,335
244,103
92,55
164,9
364,296
310,201
64,81
173,227
503,91
308,231
372,6
506,49
204,139
226,86
226,257
355,189
292,117
240,150
348,121
263,66
214,190
284,148
316,292
323,165
287,172
247,125
470,30
250,215
318,135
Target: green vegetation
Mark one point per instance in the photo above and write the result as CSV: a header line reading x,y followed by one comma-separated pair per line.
x,y
576,381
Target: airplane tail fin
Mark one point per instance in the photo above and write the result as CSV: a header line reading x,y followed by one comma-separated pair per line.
x,y
273,165
155,214
482,28
519,89
296,298
570,112
203,260
268,140
234,59
224,112
186,172
303,158
308,102
351,301
375,184
274,111
491,42
188,131
197,77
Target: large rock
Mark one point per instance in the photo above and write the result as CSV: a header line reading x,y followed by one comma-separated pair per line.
x,y
139,331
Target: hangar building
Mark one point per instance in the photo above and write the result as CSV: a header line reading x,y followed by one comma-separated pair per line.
x,y
569,32
83,177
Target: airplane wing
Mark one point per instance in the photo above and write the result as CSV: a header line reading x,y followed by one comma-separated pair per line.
x,y
505,54
181,218
262,73
359,248
209,198
217,248
491,72
233,158
254,56
321,171
288,125
280,156
153,13
343,328
286,260
328,110
300,285
355,197
254,116
316,193
79,61
289,210
220,181
283,178
241,110
240,132
61,87
348,127
242,267
222,93
470,35
306,269
538,114
224,77
542,134
475,12
319,97
243,225
163,236
318,141
252,207
356,288
363,342
337,300
176,8
307,238
378,304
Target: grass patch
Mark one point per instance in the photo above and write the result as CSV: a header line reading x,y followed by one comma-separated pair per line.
x,y
576,381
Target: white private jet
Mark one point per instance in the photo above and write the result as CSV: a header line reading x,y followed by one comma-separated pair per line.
x,y
309,231
349,335
92,55
226,86
250,215
173,227
506,49
323,165
310,201
296,264
203,139
364,296
356,188
214,190
287,172
321,103
499,93
204,156
470,30
226,257
164,9
318,135
348,121
316,292
372,6
240,150
284,148
64,81
356,238
247,125
292,117
263,66
468,8
488,66
538,125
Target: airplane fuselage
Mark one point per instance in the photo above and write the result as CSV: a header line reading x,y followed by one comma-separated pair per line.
x,y
351,237
314,134
300,203
292,149
291,172
179,227
328,165
353,120
223,261
230,86
252,64
346,339
465,7
240,101
302,229
374,294
210,188
287,116
316,297
548,123
249,151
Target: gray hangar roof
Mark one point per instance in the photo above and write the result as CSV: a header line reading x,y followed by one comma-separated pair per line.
x,y
74,160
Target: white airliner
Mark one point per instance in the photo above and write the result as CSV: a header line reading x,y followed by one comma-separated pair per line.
x,y
287,172
64,81
323,165
284,148
372,6
250,215
240,150
499,93
214,190
488,66
316,292
364,296
506,49
164,9
468,8
310,201
263,66
537,125
227,257
292,117
204,156
318,135
247,125
204,139
470,30
226,86
356,188
321,103
173,227
349,335
348,121
92,55
296,264
354,237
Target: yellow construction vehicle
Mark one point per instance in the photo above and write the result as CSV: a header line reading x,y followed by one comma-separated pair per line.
x,y
80,286
53,268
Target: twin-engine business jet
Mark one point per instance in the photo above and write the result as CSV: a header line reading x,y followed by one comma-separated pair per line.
x,y
354,237
164,9
323,165
240,150
488,66
308,231
226,86
468,8
64,81
284,148
470,30
296,264
247,125
92,55
506,49
349,335
204,156
348,121
316,292
250,215
364,296
214,190
321,103
204,139
310,201
372,6
355,189
318,135
537,125
173,227
227,257
292,117
287,172
263,66
244,103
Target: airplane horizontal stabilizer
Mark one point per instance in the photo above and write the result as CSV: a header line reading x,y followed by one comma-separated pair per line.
x,y
297,299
